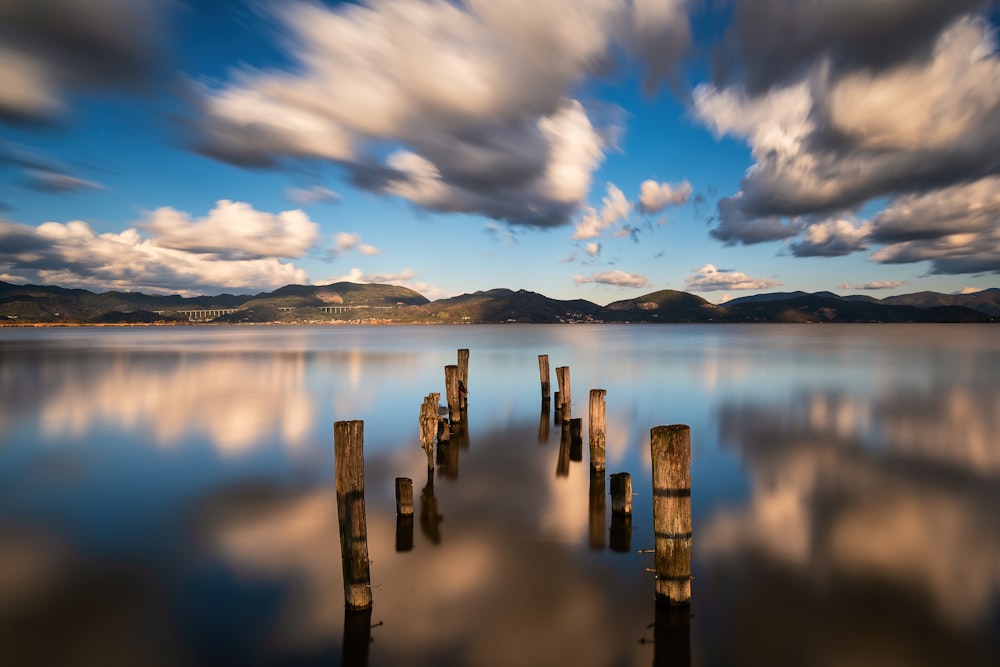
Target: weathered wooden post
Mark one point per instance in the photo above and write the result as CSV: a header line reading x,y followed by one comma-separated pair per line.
x,y
565,401
621,512
597,426
349,461
621,493
404,495
557,413
671,452
429,426
451,385
543,375
598,509
463,379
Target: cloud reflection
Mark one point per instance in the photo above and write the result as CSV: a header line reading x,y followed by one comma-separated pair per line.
x,y
833,507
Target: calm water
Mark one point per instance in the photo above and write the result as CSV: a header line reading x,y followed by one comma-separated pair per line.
x,y
166,496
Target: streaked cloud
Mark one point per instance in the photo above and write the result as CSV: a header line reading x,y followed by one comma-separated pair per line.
x,y
877,285
709,279
49,52
903,115
471,109
616,278
316,194
833,238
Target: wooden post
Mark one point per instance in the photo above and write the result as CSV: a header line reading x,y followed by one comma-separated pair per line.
x,y
429,425
621,493
404,495
597,425
671,452
565,401
543,375
463,379
349,461
557,415
451,384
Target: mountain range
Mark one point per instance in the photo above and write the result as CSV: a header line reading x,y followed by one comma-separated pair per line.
x,y
372,303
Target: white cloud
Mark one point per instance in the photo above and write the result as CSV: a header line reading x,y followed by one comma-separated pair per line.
x,y
709,279
616,278
654,197
346,241
593,249
234,230
74,255
615,208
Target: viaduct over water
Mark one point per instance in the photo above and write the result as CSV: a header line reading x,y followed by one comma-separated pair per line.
x,y
208,314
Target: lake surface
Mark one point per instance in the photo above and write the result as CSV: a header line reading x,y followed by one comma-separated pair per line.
x,y
167,496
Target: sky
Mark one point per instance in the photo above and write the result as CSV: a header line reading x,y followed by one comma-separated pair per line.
x,y
583,149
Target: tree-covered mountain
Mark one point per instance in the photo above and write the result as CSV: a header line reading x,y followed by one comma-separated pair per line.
x,y
353,302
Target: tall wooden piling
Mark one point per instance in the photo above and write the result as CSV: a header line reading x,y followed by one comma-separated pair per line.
x,y
671,452
621,493
429,425
597,429
543,375
565,400
451,378
463,379
349,461
404,495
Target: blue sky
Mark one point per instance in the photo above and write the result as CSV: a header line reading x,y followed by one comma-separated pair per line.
x,y
595,149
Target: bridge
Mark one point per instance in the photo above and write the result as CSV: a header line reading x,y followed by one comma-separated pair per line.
x,y
206,314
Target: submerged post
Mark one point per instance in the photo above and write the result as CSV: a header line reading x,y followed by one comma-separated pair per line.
x,y
564,402
621,493
349,461
463,379
451,385
671,452
404,496
597,428
543,375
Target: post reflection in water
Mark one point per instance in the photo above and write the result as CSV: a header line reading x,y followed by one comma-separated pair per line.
x,y
177,486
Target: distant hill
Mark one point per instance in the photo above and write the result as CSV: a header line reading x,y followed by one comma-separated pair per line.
x,y
352,302
504,305
663,306
986,301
